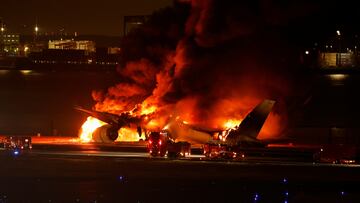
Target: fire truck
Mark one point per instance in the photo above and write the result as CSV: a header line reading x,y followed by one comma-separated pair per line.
x,y
161,144
222,151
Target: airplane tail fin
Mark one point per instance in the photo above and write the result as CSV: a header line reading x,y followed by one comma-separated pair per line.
x,y
250,127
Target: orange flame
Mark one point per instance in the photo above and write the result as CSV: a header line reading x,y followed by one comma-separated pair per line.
x,y
153,124
148,110
87,129
91,124
129,135
231,123
125,134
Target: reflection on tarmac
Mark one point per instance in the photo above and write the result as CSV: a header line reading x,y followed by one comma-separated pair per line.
x,y
107,154
92,173
192,158
137,150
92,153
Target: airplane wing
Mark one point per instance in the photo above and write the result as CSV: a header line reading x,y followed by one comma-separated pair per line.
x,y
117,121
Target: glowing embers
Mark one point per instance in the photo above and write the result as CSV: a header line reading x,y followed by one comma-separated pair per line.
x,y
87,129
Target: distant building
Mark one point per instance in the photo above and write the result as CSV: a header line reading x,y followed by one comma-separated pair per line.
x,y
334,59
86,45
11,38
73,58
62,44
133,22
338,50
10,43
114,50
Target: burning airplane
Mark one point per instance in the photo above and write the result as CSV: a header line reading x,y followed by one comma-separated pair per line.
x,y
202,61
244,132
104,127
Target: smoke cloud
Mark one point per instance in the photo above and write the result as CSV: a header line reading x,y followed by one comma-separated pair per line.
x,y
208,61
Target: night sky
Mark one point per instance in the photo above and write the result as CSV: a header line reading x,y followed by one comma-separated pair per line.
x,y
83,16
106,17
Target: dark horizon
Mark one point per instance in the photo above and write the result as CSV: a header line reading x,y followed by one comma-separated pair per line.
x,y
83,17
106,18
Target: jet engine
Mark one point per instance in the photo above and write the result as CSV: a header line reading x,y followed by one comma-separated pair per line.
x,y
105,134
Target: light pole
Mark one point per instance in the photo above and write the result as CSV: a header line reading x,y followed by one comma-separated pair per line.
x,y
339,47
2,38
36,29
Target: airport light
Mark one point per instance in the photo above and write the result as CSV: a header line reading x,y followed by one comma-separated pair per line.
x,y
256,197
338,32
2,38
339,47
2,27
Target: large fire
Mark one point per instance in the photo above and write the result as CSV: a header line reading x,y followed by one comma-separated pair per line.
x,y
87,129
129,135
125,133
91,124
209,70
148,110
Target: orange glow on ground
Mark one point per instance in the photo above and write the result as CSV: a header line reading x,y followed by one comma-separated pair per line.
x,y
53,139
87,129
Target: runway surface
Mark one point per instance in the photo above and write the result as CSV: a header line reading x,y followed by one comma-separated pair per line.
x,y
53,173
191,158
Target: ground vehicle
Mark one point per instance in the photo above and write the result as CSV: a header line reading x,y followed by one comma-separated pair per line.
x,y
337,154
178,149
156,144
161,144
17,142
212,150
221,151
